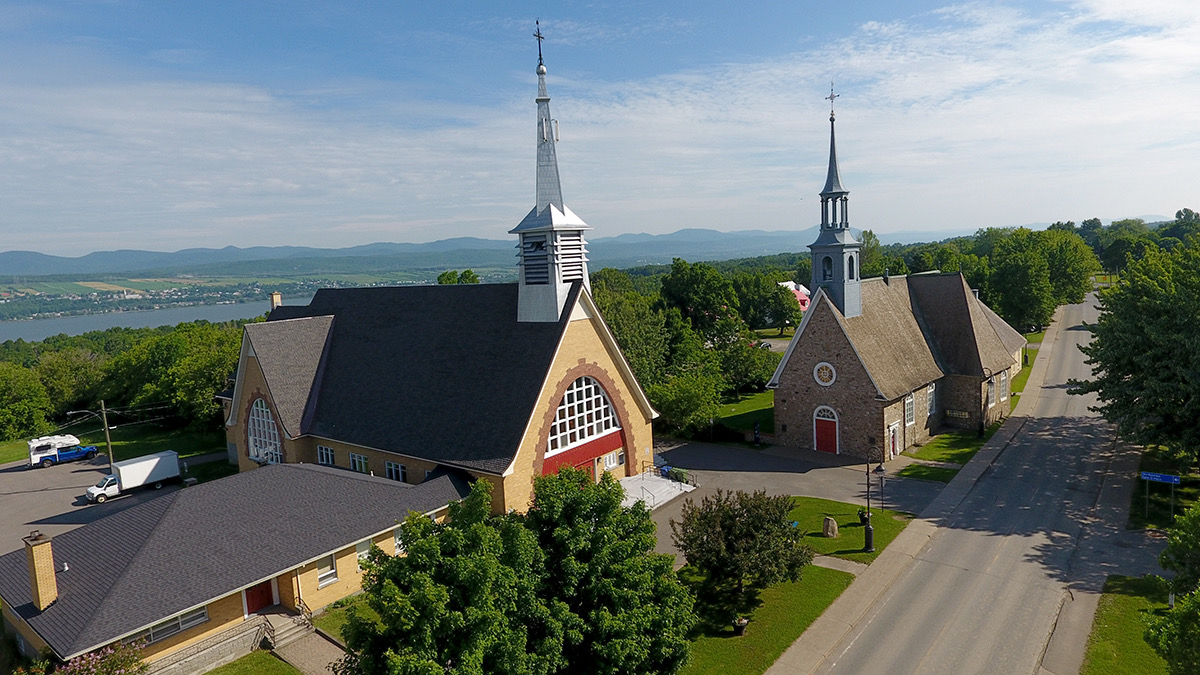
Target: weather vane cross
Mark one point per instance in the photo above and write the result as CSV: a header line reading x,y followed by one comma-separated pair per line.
x,y
538,34
829,98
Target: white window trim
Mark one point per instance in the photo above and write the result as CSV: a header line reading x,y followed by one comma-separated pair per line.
x,y
991,391
361,551
172,626
910,410
357,460
330,577
833,416
326,455
1004,385
395,471
262,434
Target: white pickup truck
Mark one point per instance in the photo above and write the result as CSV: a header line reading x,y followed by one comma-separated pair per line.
x,y
47,451
152,470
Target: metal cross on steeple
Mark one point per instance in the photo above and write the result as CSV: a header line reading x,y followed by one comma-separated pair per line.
x,y
538,34
829,98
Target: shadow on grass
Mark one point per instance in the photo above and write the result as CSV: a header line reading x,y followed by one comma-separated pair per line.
x,y
717,605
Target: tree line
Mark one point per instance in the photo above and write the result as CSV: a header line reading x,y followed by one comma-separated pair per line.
x,y
170,373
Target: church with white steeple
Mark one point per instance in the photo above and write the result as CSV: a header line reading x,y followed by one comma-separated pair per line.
x,y
386,381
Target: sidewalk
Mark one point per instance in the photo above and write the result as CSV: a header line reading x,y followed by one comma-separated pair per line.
x,y
810,651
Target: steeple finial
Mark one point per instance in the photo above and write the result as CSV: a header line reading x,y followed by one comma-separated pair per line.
x,y
538,34
833,181
829,98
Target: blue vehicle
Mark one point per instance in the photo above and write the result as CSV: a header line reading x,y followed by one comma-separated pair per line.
x,y
49,450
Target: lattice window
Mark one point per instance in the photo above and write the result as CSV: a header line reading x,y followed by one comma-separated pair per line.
x,y
262,434
825,413
358,463
583,414
1003,385
991,392
931,397
910,416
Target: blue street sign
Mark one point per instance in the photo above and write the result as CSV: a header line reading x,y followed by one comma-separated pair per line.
x,y
1160,477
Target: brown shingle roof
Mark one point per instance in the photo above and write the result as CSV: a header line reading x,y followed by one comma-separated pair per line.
x,y
889,341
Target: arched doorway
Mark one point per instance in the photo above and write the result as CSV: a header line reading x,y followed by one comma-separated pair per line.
x,y
825,429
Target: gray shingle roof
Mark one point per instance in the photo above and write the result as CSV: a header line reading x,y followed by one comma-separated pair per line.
x,y
915,329
445,373
167,555
289,353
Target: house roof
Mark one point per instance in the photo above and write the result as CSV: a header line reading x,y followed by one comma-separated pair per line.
x,y
445,373
915,329
289,354
168,555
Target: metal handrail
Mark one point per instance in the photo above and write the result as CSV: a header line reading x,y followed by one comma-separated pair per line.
x,y
265,632
652,500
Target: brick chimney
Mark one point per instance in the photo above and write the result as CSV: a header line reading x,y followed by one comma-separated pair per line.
x,y
276,299
40,558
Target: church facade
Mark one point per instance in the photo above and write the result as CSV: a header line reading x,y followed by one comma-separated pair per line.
x,y
879,365
502,382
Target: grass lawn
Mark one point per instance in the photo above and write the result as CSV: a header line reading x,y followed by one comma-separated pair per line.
x,y
1187,493
941,474
810,512
788,332
210,470
256,663
743,411
956,447
332,619
1115,646
132,441
785,610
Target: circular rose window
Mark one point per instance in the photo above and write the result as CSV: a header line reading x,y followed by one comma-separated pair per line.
x,y
824,374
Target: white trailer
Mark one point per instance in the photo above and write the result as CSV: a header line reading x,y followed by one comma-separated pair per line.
x,y
152,470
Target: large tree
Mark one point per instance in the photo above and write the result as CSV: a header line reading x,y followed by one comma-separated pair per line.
x,y
24,405
573,586
1071,264
626,610
701,293
1176,636
742,538
1182,554
1145,351
462,600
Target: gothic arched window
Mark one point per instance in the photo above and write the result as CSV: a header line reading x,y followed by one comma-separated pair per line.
x,y
262,434
583,414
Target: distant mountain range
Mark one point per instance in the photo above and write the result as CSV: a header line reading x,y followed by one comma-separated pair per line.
x,y
626,250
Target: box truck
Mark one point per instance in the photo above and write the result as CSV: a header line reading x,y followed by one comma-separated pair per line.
x,y
49,450
128,474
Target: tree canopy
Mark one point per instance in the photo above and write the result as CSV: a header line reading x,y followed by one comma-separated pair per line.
x,y
573,586
1145,351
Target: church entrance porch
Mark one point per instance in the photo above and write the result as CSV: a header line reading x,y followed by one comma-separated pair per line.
x,y
894,440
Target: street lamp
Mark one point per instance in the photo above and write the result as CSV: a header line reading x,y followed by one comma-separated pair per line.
x,y
103,417
868,531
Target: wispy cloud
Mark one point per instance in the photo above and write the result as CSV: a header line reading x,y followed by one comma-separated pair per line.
x,y
971,116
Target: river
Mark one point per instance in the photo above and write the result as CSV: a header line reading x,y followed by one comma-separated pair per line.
x,y
33,330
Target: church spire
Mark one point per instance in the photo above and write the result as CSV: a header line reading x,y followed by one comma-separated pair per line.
x,y
835,253
552,249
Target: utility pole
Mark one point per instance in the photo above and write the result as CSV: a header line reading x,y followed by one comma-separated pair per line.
x,y
107,437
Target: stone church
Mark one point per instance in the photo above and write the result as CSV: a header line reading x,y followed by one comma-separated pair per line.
x,y
878,365
503,382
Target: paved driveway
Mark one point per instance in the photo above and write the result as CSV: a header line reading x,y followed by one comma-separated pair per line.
x,y
788,471
52,500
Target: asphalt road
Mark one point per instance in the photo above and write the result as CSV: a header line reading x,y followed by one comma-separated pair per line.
x,y
984,595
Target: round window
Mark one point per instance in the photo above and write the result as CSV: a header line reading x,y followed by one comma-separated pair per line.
x,y
824,374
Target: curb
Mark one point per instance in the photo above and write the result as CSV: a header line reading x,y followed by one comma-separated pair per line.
x,y
814,646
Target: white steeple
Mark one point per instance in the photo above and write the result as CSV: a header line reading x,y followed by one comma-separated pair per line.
x,y
553,252
835,253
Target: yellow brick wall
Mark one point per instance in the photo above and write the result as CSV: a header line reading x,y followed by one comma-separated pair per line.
x,y
415,468
254,386
349,580
222,614
27,633
287,589
582,352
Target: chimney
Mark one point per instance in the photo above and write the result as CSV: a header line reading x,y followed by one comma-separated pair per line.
x,y
976,292
40,558
276,299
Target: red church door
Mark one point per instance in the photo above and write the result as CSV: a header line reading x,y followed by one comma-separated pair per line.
x,y
259,597
825,430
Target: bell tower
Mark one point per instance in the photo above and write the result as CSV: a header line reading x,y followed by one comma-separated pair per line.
x,y
836,253
551,248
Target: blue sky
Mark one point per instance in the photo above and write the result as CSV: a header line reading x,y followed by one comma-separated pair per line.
x,y
167,125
